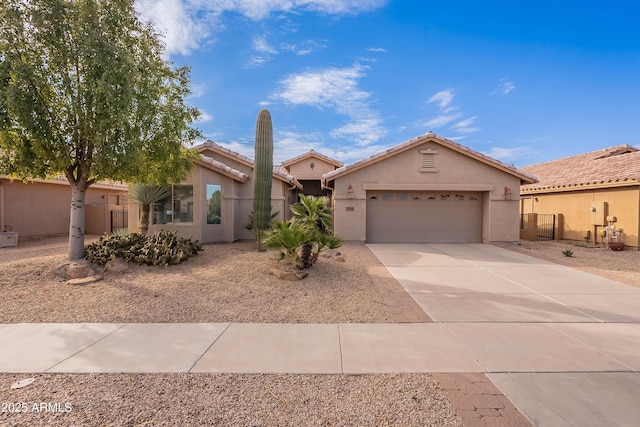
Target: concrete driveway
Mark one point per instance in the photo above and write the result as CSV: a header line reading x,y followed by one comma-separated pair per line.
x,y
561,344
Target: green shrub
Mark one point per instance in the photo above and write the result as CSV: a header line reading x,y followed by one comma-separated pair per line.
x,y
161,248
568,253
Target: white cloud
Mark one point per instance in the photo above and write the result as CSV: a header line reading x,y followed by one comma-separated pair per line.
x,y
204,116
442,98
187,24
289,144
260,44
256,61
176,21
336,89
506,86
509,154
464,126
377,49
197,90
448,114
441,120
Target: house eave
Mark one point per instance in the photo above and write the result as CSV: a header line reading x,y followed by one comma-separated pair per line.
x,y
579,187
429,137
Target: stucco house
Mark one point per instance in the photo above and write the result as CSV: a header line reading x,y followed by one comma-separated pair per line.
x,y
427,189
213,204
40,207
588,192
308,168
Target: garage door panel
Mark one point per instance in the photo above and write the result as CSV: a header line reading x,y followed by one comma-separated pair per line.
x,y
424,217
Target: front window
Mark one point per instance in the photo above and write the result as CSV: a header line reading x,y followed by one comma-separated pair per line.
x,y
177,207
214,204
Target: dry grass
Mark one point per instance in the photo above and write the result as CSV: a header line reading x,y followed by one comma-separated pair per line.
x,y
224,283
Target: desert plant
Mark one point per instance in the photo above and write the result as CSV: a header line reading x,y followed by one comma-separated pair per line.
x,y
289,238
263,172
568,253
313,214
145,196
161,248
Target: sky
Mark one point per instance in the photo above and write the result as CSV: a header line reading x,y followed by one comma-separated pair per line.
x,y
522,82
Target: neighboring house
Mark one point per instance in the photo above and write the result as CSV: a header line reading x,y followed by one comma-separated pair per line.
x,y
41,207
214,203
427,189
590,191
308,169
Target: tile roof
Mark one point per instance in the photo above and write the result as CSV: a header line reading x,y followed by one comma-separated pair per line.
x,y
610,167
312,153
429,136
278,171
224,169
225,151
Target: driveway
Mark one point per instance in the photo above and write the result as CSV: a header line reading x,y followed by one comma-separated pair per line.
x,y
563,345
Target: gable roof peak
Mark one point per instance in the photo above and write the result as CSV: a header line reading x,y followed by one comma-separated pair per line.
x,y
429,137
312,153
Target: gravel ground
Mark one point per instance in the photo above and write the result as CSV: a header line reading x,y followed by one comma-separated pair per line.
x,y
227,400
224,283
232,285
623,266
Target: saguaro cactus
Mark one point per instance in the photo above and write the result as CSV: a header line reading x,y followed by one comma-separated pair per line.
x,y
263,171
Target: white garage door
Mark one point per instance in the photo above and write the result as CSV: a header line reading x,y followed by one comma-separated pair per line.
x,y
397,216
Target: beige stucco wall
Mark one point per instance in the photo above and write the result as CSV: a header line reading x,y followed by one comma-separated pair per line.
x,y
43,209
455,171
622,202
237,203
302,169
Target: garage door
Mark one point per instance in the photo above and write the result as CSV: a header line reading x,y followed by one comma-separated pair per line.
x,y
396,216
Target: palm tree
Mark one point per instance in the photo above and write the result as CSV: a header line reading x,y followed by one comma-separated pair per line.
x,y
146,195
313,215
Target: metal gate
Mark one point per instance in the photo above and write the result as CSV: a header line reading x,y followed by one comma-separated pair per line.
x,y
119,220
546,226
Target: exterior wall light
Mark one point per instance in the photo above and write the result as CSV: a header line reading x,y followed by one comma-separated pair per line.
x,y
350,192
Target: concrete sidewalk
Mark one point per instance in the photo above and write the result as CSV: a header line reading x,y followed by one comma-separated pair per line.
x,y
321,348
561,344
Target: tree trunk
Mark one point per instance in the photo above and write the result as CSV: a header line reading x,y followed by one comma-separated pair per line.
x,y
305,255
144,219
76,224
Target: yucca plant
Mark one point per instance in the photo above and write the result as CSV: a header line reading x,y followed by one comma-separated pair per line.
x,y
146,195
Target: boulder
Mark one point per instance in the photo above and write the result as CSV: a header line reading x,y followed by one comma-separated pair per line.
x,y
75,270
116,266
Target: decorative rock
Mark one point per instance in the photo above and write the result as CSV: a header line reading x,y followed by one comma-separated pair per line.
x,y
75,270
338,258
288,275
116,266
84,280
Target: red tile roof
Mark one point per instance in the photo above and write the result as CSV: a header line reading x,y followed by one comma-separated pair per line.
x,y
611,167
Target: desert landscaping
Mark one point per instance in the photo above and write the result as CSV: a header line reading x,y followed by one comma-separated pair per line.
x,y
231,283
